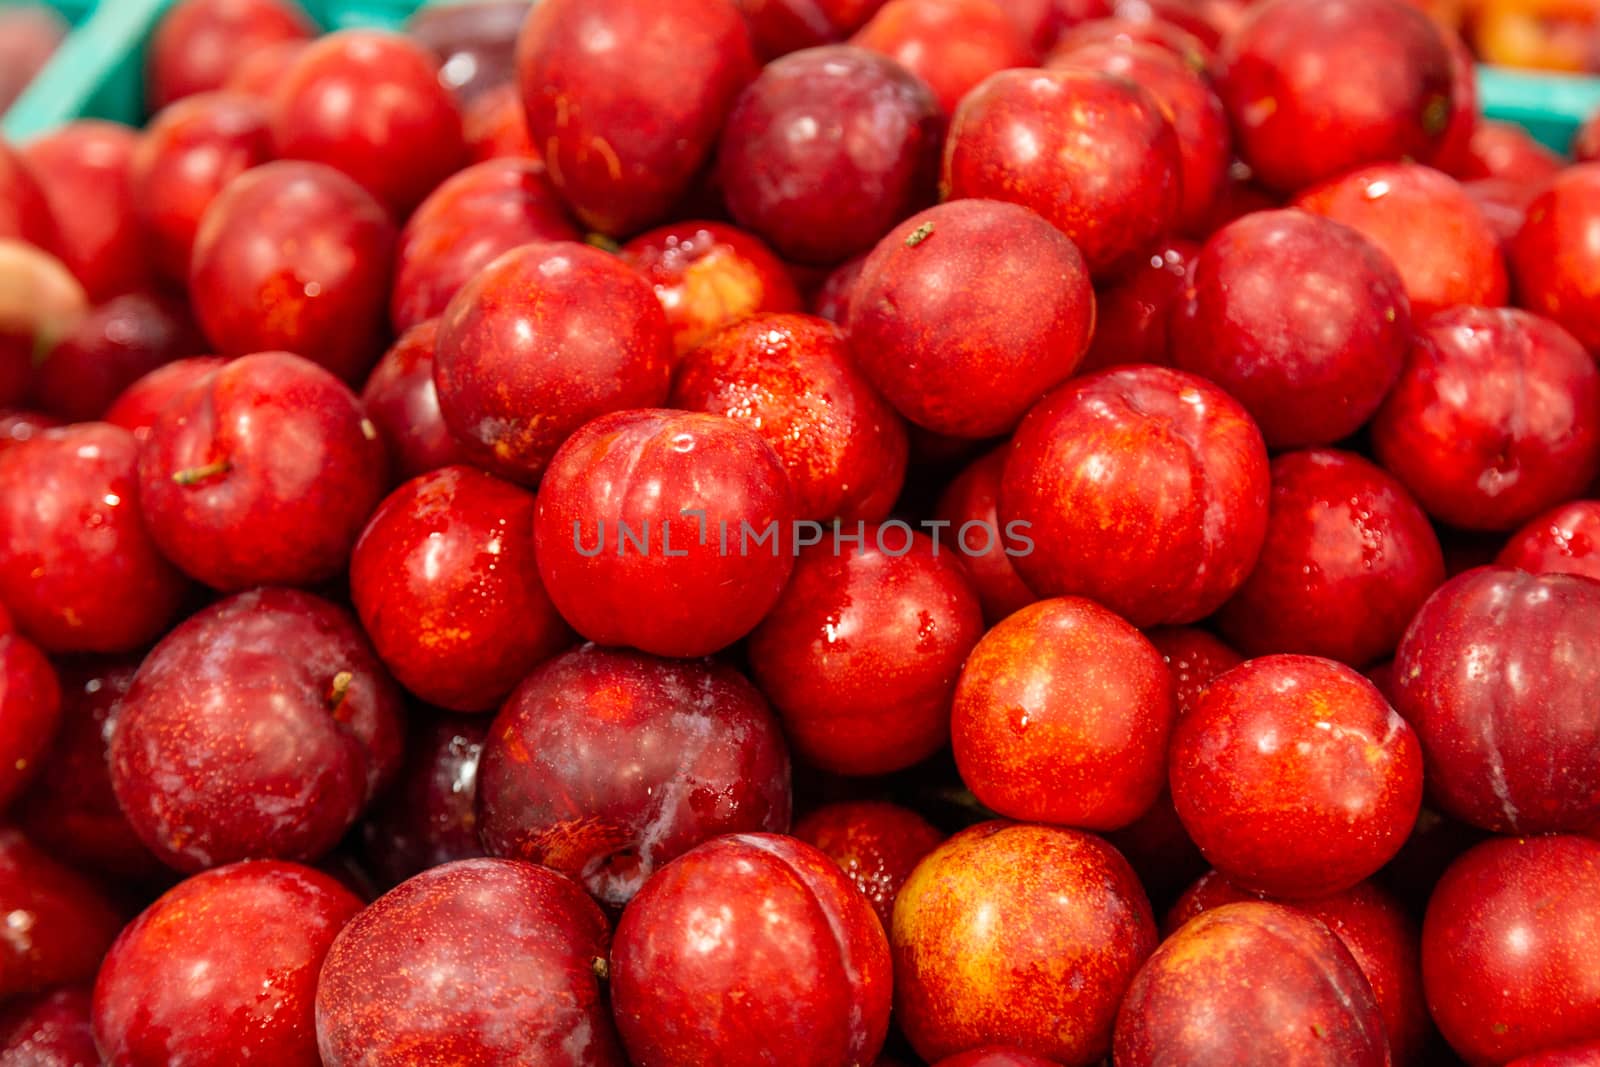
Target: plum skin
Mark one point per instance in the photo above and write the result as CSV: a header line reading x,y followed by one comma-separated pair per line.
x,y
607,764
475,961
995,910
795,959
258,931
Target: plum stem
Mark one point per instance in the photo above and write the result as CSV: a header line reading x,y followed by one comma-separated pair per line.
x,y
196,475
919,235
601,967
340,687
602,242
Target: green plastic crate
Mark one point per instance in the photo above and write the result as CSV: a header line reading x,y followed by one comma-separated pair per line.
x,y
99,69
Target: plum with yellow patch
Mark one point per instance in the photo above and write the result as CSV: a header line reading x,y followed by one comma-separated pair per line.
x,y
708,275
1022,936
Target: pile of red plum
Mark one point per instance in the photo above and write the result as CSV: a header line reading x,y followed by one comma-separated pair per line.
x,y
801,533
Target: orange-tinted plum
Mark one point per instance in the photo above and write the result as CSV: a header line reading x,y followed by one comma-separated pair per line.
x,y
137,406
77,568
59,923
294,257
475,42
479,961
109,349
544,339
1428,225
861,653
445,583
70,808
607,764
370,104
30,712
1133,314
1349,558
632,519
429,814
222,969
625,99
1091,152
49,1029
1296,125
1495,418
1564,540
1062,716
708,275
187,156
464,225
1252,985
1018,935
1145,489
403,403
1303,320
794,960
230,504
967,313
1384,940
1295,776
970,498
951,45
260,727
792,380
1555,257
199,43
495,125
1489,676
84,170
822,199
1190,104
875,843
1508,948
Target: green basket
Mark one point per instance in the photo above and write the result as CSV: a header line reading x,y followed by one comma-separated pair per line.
x,y
99,70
